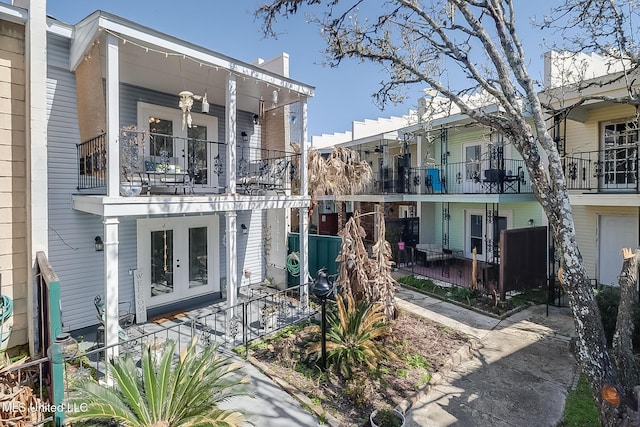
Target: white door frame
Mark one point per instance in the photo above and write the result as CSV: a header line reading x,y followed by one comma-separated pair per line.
x,y
508,214
470,185
146,110
181,227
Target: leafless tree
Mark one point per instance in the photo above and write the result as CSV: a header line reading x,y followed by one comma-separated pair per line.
x,y
477,41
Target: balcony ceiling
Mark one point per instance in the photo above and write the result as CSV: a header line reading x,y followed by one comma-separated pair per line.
x,y
156,61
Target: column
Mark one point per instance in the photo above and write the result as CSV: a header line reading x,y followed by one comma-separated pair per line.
x,y
230,255
113,119
111,284
304,212
230,114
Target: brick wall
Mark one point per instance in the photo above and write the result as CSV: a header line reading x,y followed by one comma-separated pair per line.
x,y
13,214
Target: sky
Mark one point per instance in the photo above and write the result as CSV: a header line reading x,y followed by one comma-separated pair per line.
x,y
342,94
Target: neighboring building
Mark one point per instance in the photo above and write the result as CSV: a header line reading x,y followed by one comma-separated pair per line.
x,y
442,179
14,248
168,169
598,141
462,183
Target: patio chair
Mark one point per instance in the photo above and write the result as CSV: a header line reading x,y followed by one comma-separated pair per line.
x,y
125,318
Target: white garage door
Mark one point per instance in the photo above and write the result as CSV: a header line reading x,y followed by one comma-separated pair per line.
x,y
616,232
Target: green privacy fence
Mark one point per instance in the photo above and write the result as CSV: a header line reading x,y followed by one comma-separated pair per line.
x,y
323,251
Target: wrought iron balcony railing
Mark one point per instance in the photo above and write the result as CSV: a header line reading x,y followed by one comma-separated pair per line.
x,y
158,163
611,169
454,178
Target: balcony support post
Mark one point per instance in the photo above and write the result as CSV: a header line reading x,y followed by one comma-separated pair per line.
x,y
304,212
230,114
113,120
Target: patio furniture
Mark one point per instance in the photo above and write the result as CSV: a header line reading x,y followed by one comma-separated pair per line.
x,y
431,252
499,181
125,318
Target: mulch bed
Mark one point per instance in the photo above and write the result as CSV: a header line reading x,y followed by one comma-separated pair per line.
x,y
423,348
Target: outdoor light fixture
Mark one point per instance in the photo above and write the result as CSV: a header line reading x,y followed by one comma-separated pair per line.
x,y
531,222
256,119
205,103
99,244
64,348
245,230
322,288
245,137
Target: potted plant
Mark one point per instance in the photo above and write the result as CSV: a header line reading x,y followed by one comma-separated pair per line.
x,y
386,418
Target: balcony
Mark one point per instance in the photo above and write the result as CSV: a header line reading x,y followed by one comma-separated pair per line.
x,y
152,163
608,170
511,177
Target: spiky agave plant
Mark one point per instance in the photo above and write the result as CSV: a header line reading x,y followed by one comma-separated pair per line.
x,y
163,394
352,336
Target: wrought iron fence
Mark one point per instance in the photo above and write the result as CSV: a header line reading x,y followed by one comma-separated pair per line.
x,y
262,312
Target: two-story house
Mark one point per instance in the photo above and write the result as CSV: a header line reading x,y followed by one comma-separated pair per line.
x,y
596,129
446,184
169,170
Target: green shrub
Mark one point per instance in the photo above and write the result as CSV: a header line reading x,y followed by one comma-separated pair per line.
x,y
608,300
353,337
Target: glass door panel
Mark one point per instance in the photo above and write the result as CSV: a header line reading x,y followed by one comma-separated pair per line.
x,y
162,262
472,168
198,258
161,139
198,153
619,155
475,233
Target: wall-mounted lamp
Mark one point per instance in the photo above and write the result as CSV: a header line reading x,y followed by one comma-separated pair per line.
x,y
531,222
245,137
244,228
99,244
256,119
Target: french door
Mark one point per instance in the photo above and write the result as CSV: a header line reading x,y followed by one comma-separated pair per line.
x,y
472,168
192,148
619,155
179,258
477,231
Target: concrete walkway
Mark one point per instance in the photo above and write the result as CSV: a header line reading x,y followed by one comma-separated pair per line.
x,y
519,374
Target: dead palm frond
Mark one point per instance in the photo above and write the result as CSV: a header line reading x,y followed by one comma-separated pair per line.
x,y
364,277
340,173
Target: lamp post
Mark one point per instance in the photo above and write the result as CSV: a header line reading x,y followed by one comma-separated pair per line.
x,y
63,349
322,287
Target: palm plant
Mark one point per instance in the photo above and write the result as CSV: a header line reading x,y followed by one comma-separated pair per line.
x,y
353,336
163,395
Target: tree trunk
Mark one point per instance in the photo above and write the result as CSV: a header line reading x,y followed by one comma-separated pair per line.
x,y
623,337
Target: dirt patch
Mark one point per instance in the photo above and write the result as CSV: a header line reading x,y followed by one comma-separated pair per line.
x,y
423,348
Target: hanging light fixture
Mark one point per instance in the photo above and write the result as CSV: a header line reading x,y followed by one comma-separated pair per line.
x,y
185,104
205,103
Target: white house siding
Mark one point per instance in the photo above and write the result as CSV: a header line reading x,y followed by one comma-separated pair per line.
x,y
71,233
250,256
520,214
586,221
582,137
